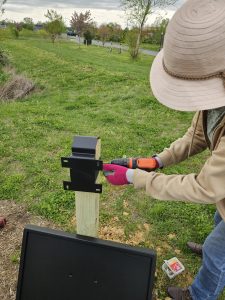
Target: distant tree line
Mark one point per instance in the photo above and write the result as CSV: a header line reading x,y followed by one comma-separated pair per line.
x,y
84,27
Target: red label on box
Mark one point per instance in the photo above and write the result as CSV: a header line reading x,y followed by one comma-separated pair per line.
x,y
175,267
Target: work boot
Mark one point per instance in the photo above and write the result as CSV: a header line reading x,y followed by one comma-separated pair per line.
x,y
195,248
177,293
2,222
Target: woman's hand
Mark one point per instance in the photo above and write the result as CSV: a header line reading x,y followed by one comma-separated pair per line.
x,y
115,174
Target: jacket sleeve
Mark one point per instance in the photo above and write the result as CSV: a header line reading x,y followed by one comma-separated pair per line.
x,y
207,187
179,150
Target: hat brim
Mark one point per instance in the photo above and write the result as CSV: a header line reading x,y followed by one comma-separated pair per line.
x,y
185,95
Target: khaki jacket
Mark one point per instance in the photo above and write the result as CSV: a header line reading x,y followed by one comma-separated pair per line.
x,y
207,187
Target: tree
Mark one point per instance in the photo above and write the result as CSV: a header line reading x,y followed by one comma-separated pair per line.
x,y
110,32
116,32
131,40
88,37
93,28
3,56
2,10
154,34
15,29
90,33
81,22
55,26
28,23
103,33
138,12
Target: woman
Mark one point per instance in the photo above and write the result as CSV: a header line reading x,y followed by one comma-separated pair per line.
x,y
189,75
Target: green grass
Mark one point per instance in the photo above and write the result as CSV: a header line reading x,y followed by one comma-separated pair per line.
x,y
153,47
88,91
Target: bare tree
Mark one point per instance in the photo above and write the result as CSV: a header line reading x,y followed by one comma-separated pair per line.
x,y
2,10
138,12
81,22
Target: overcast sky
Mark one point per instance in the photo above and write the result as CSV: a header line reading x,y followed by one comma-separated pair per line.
x,y
103,11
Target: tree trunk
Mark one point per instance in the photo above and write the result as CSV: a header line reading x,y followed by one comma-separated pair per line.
x,y
145,15
79,40
53,38
136,51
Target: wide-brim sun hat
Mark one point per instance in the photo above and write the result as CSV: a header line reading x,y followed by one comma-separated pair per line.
x,y
189,73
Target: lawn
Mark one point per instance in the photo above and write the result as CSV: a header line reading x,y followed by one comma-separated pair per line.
x,y
89,91
153,47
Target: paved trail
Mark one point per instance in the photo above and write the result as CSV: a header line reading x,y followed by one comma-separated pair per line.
x,y
114,45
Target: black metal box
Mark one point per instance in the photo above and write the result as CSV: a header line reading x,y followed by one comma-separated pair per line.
x,y
84,168
60,266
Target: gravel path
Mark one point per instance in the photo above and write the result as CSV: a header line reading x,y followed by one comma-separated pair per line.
x,y
114,45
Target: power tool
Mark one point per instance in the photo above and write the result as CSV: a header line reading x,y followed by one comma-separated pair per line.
x,y
149,164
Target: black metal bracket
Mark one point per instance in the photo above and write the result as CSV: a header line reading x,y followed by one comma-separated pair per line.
x,y
84,168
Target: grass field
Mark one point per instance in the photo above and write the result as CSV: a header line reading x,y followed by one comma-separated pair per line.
x,y
89,91
153,47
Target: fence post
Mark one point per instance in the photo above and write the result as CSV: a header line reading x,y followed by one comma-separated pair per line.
x,y
87,208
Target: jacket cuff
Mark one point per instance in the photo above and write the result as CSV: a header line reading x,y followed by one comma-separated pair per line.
x,y
140,178
166,158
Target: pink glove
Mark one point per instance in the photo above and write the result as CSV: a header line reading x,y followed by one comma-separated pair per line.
x,y
115,174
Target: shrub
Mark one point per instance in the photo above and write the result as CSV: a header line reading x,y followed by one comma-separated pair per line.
x,y
131,40
27,33
14,32
42,33
4,60
88,38
5,33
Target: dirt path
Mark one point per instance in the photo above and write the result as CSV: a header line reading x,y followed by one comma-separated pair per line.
x,y
10,243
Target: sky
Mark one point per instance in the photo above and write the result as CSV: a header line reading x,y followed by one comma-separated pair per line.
x,y
102,11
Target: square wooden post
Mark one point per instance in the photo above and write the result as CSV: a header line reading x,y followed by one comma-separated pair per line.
x,y
87,208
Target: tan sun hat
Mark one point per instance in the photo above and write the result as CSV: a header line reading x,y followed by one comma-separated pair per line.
x,y
189,73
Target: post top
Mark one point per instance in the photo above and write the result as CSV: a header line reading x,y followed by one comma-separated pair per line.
x,y
84,145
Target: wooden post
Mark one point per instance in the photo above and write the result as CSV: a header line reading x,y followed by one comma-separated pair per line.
x,y
87,208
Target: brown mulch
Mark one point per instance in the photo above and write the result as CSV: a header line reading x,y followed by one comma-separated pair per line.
x,y
11,238
10,244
